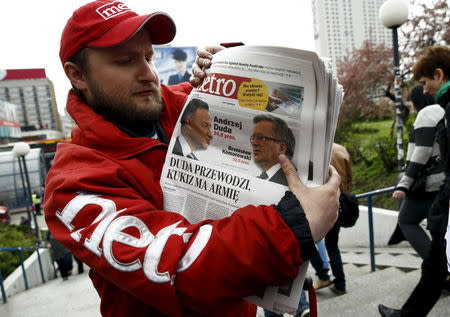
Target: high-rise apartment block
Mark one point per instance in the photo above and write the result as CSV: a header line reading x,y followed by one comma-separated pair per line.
x,y
33,94
341,26
9,126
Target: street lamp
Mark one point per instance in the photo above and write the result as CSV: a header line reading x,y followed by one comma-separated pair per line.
x,y
393,13
20,150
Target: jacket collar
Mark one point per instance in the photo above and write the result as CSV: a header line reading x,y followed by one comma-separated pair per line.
x,y
95,132
445,88
444,99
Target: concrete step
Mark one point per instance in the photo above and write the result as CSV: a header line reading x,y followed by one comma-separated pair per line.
x,y
378,250
385,289
442,307
361,290
401,259
397,273
352,272
392,293
350,269
356,270
407,261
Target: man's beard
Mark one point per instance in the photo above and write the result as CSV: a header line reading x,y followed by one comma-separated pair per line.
x,y
123,110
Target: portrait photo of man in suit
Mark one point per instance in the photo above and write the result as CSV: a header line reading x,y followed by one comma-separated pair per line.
x,y
180,59
195,129
271,137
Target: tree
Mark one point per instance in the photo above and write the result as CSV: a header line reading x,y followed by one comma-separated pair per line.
x,y
364,73
430,25
367,71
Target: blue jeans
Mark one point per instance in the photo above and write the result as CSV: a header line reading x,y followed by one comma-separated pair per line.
x,y
323,253
331,243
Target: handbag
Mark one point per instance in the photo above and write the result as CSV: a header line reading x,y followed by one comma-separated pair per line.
x,y
348,210
419,184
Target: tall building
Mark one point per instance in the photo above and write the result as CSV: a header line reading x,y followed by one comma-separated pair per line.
x,y
67,124
341,26
34,95
9,126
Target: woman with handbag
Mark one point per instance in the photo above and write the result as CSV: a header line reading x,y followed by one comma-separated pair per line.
x,y
423,175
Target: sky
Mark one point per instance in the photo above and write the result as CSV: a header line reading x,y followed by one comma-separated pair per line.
x,y
31,29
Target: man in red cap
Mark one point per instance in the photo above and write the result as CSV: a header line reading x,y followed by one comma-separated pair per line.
x,y
105,204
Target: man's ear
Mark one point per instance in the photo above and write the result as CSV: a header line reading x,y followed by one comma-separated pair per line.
x,y
76,76
438,74
189,122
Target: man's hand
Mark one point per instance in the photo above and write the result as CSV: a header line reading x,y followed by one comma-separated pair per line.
x,y
273,103
319,203
398,194
203,60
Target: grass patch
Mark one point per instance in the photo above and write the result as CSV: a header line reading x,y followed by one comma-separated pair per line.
x,y
372,147
368,133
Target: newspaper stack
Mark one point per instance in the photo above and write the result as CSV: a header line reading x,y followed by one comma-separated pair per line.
x,y
243,83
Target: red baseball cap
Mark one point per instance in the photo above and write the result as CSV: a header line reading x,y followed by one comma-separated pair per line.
x,y
104,23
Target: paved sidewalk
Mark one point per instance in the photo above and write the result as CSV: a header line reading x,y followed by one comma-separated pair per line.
x,y
15,219
72,298
75,297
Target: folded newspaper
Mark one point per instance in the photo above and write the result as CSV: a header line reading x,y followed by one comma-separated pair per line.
x,y
219,164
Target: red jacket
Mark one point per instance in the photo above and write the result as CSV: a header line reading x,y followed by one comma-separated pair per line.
x,y
105,204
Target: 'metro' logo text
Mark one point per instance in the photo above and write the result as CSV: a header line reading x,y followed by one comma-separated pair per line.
x,y
110,10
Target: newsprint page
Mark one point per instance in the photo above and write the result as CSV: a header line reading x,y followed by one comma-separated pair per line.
x,y
220,175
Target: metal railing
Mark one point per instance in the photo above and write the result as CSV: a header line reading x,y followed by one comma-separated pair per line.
x,y
24,272
369,196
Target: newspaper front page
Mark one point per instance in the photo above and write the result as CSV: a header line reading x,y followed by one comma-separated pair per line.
x,y
220,175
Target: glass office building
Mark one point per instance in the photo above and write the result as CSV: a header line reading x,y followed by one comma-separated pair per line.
x,y
12,190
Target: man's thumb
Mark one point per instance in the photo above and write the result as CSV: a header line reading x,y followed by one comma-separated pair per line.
x,y
289,171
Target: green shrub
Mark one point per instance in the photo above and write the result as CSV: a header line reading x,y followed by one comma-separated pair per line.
x,y
12,236
386,150
373,149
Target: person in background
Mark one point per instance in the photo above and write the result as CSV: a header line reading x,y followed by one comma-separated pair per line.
x,y
340,159
61,256
432,70
24,221
104,201
36,200
79,265
180,59
423,157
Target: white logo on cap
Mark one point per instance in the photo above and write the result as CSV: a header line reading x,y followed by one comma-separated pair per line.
x,y
110,10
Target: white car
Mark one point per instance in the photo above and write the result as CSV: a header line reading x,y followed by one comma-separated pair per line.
x,y
4,215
